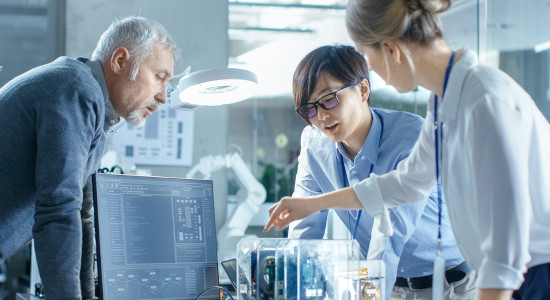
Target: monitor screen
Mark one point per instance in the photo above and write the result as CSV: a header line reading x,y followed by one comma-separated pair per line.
x,y
230,268
155,236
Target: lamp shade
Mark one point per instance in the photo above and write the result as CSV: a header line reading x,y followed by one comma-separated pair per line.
x,y
214,87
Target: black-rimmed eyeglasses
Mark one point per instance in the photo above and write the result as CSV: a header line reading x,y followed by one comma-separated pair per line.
x,y
328,101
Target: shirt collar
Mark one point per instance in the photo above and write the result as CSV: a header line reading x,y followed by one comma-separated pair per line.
x,y
452,98
111,118
370,147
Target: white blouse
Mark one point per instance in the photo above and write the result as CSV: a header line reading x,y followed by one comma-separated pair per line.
x,y
495,173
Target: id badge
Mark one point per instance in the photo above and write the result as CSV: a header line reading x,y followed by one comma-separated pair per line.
x,y
438,276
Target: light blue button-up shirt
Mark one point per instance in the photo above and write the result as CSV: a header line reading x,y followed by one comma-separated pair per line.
x,y
411,249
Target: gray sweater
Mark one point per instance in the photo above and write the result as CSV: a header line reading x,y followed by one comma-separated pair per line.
x,y
53,136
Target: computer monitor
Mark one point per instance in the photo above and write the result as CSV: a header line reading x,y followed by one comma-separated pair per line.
x,y
155,237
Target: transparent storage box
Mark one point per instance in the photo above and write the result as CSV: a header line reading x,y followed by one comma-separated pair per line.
x,y
255,273
277,269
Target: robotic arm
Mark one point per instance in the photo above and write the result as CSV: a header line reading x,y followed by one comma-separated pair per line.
x,y
250,196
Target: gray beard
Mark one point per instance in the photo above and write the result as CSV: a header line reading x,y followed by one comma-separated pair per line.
x,y
136,119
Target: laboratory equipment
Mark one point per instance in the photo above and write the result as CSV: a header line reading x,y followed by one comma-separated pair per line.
x,y
250,196
292,269
372,279
155,237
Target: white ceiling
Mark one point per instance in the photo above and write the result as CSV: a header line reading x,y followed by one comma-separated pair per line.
x,y
270,37
271,40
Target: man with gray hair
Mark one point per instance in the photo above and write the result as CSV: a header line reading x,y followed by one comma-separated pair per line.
x,y
54,125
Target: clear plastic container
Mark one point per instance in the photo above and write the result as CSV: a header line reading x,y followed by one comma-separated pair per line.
x,y
255,268
372,279
277,269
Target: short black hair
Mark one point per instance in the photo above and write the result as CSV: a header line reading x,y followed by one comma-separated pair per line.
x,y
340,61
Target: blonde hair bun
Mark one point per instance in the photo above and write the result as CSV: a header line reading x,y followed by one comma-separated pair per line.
x,y
416,21
432,6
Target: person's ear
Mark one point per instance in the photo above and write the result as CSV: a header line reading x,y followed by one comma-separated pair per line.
x,y
365,89
120,61
393,52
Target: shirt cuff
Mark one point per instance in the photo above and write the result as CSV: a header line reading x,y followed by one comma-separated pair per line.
x,y
494,275
370,197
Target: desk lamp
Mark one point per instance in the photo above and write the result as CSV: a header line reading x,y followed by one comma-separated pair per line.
x,y
207,88
213,87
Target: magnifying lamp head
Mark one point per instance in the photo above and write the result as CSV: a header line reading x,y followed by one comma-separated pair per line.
x,y
213,87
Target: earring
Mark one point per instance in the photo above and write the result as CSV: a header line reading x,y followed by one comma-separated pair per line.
x,y
397,65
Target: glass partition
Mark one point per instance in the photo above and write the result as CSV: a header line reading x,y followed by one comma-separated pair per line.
x,y
518,42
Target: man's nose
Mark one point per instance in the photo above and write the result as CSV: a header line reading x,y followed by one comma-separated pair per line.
x,y
162,96
321,113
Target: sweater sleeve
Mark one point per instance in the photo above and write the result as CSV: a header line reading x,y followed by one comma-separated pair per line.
x,y
66,126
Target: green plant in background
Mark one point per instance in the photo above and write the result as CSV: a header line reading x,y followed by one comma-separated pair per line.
x,y
269,182
1,68
278,182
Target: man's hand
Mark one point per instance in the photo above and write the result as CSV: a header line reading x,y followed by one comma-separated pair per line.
x,y
290,209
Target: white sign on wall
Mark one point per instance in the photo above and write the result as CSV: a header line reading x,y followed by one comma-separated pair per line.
x,y
166,139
